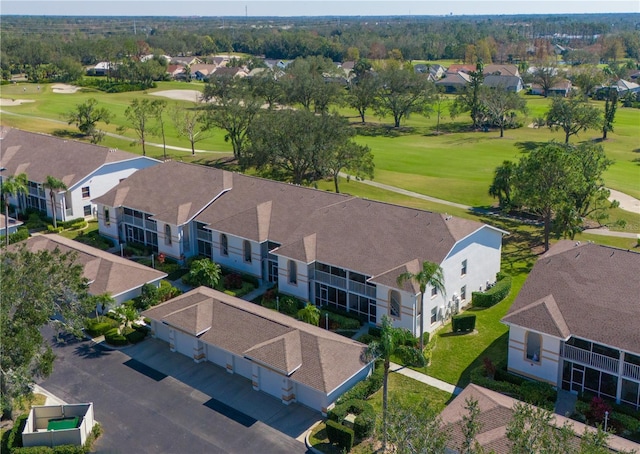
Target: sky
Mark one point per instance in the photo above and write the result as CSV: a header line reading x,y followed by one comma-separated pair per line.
x,y
310,7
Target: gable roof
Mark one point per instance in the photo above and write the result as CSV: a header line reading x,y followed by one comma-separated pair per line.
x,y
493,80
106,273
151,192
309,355
496,411
574,279
502,70
457,78
41,155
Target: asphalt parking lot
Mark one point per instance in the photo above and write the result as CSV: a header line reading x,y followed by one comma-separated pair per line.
x,y
148,399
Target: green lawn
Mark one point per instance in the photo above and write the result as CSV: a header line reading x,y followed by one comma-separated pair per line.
x,y
407,391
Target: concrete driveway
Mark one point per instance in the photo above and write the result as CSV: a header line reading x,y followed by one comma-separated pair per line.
x,y
148,399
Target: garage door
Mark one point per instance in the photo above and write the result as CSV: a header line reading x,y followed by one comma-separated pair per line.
x,y
242,367
309,397
162,331
216,355
271,382
184,344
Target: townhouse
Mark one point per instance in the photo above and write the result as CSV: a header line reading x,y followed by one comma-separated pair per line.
x,y
329,249
86,170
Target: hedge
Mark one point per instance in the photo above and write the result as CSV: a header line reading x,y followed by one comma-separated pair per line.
x,y
343,321
62,449
14,439
113,337
366,387
96,328
137,335
463,322
340,435
19,235
365,416
495,294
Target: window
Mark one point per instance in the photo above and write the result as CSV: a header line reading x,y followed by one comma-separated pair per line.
x,y
463,293
463,270
86,192
246,247
434,292
107,219
224,245
434,315
394,304
534,344
293,272
167,234
87,210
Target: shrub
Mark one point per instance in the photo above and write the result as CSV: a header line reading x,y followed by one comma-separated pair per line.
x,y
495,294
137,335
340,435
630,424
333,310
233,281
538,393
113,337
463,322
367,338
362,390
376,332
14,439
19,235
338,320
412,356
52,229
98,327
597,409
203,272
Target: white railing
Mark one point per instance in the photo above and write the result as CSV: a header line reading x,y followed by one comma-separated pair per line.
x,y
589,358
68,211
335,281
631,371
151,225
128,219
362,289
203,235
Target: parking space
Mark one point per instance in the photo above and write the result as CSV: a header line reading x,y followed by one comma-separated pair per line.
x,y
151,400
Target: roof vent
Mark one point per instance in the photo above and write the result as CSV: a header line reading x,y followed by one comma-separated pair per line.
x,y
112,150
577,243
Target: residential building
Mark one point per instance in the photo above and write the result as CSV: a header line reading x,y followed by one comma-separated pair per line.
x,y
330,249
121,278
454,82
575,323
87,170
561,88
509,83
11,223
495,413
286,358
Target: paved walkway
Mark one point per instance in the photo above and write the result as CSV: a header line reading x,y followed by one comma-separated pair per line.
x,y
426,379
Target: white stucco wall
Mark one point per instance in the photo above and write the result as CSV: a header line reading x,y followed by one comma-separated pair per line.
x,y
235,259
108,227
547,369
102,180
172,249
301,288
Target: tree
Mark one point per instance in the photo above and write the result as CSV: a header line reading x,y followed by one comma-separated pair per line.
x,y
54,185
86,116
233,111
190,123
501,105
415,428
546,75
55,293
610,107
401,92
469,99
355,158
432,275
587,77
12,186
266,85
304,83
531,431
471,426
362,93
159,108
388,345
501,187
204,272
310,314
439,101
139,114
572,115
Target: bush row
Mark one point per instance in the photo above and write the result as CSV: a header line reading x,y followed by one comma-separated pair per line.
x,y
343,313
365,388
342,319
365,416
19,235
463,323
495,294
98,327
62,449
340,435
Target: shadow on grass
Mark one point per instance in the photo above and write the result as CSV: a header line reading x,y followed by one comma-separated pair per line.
x,y
455,126
67,134
378,130
495,351
528,145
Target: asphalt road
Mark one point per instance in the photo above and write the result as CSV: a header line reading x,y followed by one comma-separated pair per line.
x,y
148,399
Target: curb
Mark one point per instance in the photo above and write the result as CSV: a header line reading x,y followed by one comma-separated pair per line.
x,y
306,439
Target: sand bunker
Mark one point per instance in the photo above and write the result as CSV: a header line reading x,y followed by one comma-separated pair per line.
x,y
180,95
64,88
13,102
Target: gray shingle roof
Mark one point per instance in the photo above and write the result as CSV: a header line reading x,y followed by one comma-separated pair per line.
x,y
310,355
42,155
585,290
107,273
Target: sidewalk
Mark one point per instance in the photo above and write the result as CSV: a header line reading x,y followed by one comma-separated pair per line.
x,y
51,399
434,382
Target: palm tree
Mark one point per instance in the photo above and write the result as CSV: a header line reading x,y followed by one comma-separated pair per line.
x,y
12,186
388,345
310,314
431,274
54,185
